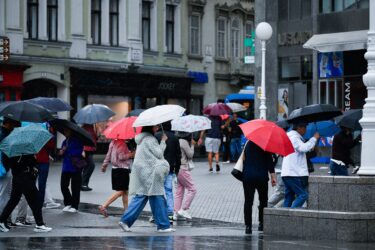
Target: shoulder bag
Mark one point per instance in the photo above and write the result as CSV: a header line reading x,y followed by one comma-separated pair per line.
x,y
237,171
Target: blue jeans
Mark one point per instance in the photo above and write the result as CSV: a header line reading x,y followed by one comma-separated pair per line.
x,y
235,149
42,181
158,209
168,187
337,169
295,186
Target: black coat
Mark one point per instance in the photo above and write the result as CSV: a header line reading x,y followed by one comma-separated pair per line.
x,y
172,152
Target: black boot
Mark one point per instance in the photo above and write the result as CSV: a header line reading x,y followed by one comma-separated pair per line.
x,y
248,230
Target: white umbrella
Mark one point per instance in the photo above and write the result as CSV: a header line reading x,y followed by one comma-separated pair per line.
x,y
158,114
191,123
235,107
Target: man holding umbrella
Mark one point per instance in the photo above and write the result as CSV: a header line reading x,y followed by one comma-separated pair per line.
x,y
294,171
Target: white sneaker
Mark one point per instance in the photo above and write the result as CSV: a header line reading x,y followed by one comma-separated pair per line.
x,y
151,220
53,205
66,209
168,230
175,216
124,227
42,229
185,214
72,210
30,219
3,228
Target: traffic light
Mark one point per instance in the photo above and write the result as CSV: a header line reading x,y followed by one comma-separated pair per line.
x,y
4,49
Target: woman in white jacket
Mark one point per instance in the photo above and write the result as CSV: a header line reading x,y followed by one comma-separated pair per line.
x,y
147,177
184,179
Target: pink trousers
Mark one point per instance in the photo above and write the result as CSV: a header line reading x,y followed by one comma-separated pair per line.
x,y
185,182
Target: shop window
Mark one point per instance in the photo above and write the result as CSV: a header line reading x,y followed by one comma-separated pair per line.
x,y
32,18
306,67
113,22
364,4
96,12
328,6
194,32
220,37
52,20
146,25
235,37
349,4
170,28
13,95
151,102
331,91
2,97
290,68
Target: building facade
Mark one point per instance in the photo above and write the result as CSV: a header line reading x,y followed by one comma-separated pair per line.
x,y
316,53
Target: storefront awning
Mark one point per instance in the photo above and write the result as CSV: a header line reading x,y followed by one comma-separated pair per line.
x,y
198,77
343,41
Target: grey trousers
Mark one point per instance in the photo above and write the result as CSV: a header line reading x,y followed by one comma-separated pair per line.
x,y
5,190
279,192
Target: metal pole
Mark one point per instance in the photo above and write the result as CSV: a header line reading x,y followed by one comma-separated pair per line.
x,y
262,107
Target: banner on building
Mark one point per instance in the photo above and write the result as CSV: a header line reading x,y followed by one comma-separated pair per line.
x,y
283,103
330,64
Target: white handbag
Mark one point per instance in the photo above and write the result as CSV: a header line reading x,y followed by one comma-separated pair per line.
x,y
238,168
191,165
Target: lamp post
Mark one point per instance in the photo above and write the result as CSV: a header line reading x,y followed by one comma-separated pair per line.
x,y
263,31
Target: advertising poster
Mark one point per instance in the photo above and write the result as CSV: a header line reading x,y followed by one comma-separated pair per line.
x,y
283,103
330,64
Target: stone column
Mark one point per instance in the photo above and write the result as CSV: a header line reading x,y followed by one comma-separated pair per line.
x,y
122,24
134,32
2,17
13,25
42,22
105,23
368,120
61,20
79,43
63,92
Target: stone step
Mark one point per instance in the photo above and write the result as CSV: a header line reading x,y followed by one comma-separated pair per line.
x,y
342,193
320,225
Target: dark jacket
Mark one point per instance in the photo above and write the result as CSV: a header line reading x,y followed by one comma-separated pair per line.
x,y
23,164
172,152
6,161
257,163
342,143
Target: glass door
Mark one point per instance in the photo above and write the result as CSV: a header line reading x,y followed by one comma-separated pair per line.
x,y
331,91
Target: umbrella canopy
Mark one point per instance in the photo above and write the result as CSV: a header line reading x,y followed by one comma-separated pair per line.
x,y
122,129
93,113
53,104
77,131
236,107
191,123
25,140
135,112
217,109
158,114
350,119
25,111
283,124
324,128
314,113
268,136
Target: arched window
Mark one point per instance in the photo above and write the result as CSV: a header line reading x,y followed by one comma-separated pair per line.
x,y
235,37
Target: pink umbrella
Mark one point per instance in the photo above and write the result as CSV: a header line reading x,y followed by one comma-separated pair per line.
x,y
217,109
122,129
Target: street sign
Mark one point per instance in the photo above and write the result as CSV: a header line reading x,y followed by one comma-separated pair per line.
x,y
4,49
249,59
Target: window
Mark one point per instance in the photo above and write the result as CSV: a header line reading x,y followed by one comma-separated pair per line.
x,y
113,22
290,68
249,28
235,37
194,34
146,25
221,30
32,18
170,28
331,91
52,20
96,12
328,6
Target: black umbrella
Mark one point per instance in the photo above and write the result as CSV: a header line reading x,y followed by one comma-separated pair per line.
x,y
135,112
350,119
283,124
93,113
25,111
314,113
77,131
53,104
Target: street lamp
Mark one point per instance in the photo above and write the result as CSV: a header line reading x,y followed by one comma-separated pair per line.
x,y
263,31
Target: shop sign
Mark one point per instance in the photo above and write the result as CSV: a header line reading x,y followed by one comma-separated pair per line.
x,y
249,59
294,38
330,64
347,96
167,86
4,49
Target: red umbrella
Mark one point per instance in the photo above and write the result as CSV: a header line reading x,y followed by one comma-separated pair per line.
x,y
268,136
217,109
122,129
